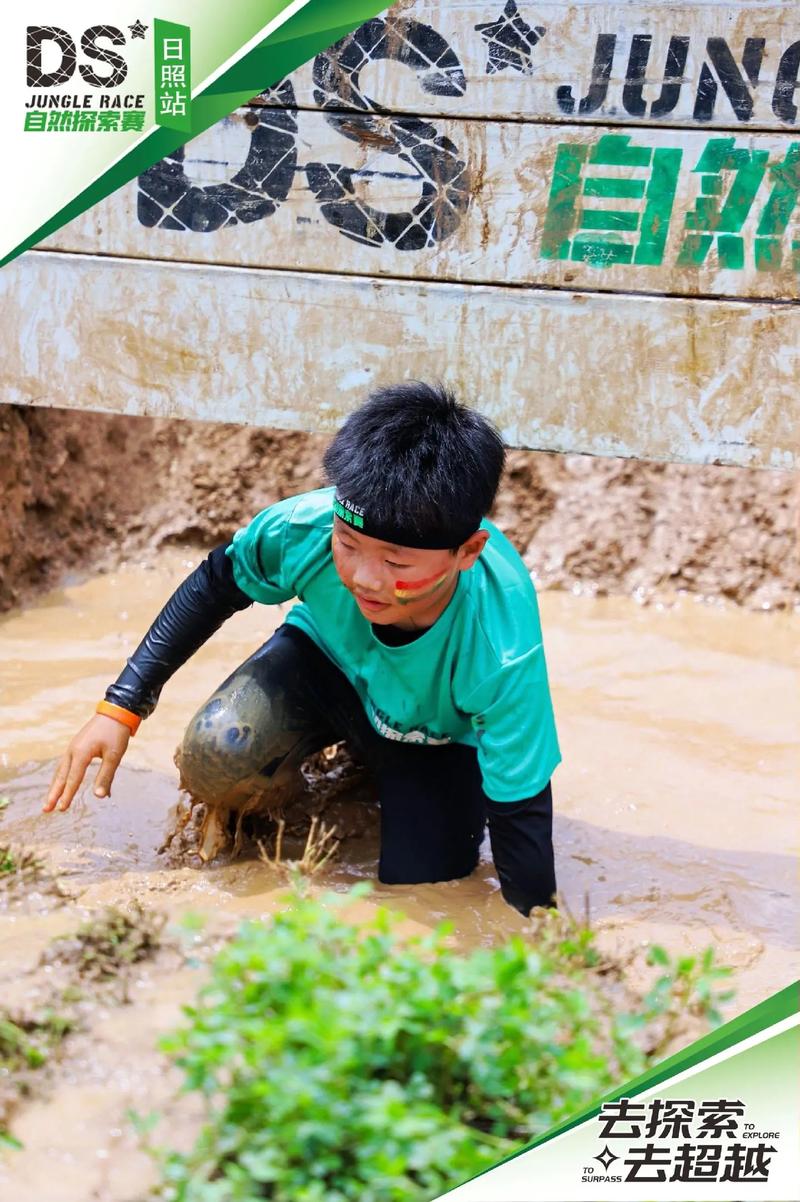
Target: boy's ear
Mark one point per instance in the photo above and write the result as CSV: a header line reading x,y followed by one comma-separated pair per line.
x,y
471,548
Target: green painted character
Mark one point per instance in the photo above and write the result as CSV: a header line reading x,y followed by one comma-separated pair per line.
x,y
574,229
719,213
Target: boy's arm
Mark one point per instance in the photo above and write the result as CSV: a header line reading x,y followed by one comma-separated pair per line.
x,y
197,608
521,835
252,568
512,716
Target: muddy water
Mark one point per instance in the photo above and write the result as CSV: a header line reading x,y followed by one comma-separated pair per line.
x,y
678,727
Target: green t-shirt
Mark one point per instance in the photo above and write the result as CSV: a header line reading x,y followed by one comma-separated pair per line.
x,y
477,676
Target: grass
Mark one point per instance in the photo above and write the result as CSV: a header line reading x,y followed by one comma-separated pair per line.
x,y
28,1041
339,1062
105,947
20,868
320,847
100,954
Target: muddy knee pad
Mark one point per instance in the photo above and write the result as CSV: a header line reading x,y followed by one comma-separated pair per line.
x,y
241,734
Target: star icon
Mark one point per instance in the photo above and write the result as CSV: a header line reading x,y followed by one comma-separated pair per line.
x,y
510,41
137,29
606,1157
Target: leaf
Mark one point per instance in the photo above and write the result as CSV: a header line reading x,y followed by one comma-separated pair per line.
x,y
657,955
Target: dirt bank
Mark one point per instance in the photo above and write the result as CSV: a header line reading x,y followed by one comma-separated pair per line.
x,y
83,489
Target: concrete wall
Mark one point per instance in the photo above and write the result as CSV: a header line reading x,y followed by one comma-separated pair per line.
x,y
584,216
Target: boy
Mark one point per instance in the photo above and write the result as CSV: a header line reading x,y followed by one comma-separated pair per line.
x,y
417,640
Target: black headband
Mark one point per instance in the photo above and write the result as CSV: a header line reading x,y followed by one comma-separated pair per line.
x,y
398,532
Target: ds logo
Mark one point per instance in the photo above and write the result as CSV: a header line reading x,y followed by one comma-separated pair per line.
x,y
59,42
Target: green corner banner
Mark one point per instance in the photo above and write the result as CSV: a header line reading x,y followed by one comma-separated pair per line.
x,y
718,1120
94,97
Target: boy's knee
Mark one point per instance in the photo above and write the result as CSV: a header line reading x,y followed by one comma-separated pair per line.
x,y
228,741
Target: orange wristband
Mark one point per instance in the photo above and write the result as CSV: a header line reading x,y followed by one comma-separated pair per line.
x,y
132,721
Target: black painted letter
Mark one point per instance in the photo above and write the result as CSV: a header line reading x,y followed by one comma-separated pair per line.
x,y
169,199
433,159
632,100
601,74
783,105
730,77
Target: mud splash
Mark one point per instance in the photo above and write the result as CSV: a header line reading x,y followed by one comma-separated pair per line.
x,y
674,801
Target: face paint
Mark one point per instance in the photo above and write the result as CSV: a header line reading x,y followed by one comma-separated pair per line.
x,y
406,591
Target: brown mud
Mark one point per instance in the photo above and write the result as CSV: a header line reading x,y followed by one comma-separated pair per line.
x,y
678,725
81,489
673,825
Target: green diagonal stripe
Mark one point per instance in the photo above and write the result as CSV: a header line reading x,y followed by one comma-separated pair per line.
x,y
766,1014
313,29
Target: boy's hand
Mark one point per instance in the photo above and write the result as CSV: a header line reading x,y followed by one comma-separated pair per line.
x,y
101,738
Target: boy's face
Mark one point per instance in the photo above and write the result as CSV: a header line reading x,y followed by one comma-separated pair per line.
x,y
399,586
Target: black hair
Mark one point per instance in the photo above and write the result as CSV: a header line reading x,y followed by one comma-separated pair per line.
x,y
420,462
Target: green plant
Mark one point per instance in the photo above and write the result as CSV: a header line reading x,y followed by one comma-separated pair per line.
x,y
27,1042
687,985
105,946
16,1049
19,867
101,951
343,1063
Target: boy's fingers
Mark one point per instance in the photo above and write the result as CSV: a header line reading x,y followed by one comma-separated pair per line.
x,y
105,775
59,780
75,775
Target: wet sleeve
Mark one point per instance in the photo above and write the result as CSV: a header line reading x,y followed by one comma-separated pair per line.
x,y
521,835
193,613
512,716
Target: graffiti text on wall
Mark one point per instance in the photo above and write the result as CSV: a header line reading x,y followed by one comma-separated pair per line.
x,y
709,65
729,175
645,179
168,199
719,72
